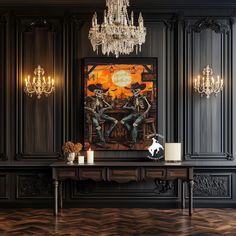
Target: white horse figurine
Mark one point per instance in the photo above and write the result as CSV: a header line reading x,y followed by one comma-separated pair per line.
x,y
155,147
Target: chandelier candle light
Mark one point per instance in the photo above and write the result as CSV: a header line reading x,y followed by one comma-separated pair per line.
x,y
117,34
208,84
39,85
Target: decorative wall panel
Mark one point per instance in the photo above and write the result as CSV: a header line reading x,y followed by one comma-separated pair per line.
x,y
31,185
207,122
2,88
212,185
4,186
39,127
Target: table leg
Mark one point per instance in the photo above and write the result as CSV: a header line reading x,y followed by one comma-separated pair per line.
x,y
190,197
183,194
55,197
60,196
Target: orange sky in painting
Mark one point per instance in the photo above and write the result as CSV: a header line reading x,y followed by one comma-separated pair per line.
x,y
102,74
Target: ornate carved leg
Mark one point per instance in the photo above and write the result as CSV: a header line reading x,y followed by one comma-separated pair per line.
x,y
55,197
183,194
190,197
60,195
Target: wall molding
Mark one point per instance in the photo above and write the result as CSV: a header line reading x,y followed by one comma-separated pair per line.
x,y
42,156
192,30
24,26
209,156
5,186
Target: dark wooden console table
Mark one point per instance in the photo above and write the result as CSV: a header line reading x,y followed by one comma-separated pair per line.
x,y
122,172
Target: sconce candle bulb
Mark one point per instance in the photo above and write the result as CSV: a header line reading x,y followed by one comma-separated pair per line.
x,y
208,85
39,85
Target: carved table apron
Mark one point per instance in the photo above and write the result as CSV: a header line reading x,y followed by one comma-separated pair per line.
x,y
122,172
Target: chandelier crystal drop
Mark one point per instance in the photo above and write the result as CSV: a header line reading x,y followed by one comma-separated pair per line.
x,y
208,84
117,34
39,85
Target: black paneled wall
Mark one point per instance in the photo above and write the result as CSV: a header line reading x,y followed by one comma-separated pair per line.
x,y
33,130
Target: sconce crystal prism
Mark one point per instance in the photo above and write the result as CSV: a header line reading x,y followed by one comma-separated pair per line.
x,y
207,84
39,85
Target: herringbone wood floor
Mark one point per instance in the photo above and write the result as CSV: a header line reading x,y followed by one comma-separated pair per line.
x,y
127,222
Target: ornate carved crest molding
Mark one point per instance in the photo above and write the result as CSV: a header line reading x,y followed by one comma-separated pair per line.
x,y
209,23
39,22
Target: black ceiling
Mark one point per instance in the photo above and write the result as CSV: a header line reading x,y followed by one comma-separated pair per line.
x,y
136,3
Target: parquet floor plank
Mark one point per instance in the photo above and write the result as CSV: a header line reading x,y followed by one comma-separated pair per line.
x,y
118,222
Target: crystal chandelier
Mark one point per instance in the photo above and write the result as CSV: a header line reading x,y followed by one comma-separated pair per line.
x,y
39,85
117,34
208,84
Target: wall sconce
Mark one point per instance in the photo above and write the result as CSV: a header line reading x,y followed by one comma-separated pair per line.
x,y
208,84
39,85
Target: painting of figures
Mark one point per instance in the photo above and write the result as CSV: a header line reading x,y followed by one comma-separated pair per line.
x,y
120,110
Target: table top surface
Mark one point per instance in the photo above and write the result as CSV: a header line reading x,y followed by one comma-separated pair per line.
x,y
149,164
196,164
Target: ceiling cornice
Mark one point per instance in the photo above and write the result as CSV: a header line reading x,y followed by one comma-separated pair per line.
x,y
133,3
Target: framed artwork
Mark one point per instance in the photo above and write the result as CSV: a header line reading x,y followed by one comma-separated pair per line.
x,y
120,103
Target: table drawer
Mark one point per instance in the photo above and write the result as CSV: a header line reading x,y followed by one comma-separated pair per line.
x,y
67,173
96,174
152,173
123,175
177,173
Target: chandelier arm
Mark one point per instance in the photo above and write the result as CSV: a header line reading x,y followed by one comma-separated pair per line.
x,y
30,92
208,84
49,91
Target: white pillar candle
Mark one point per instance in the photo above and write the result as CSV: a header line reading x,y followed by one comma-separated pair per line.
x,y
81,160
173,152
90,157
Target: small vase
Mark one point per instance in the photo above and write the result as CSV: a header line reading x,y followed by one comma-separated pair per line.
x,y
71,158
